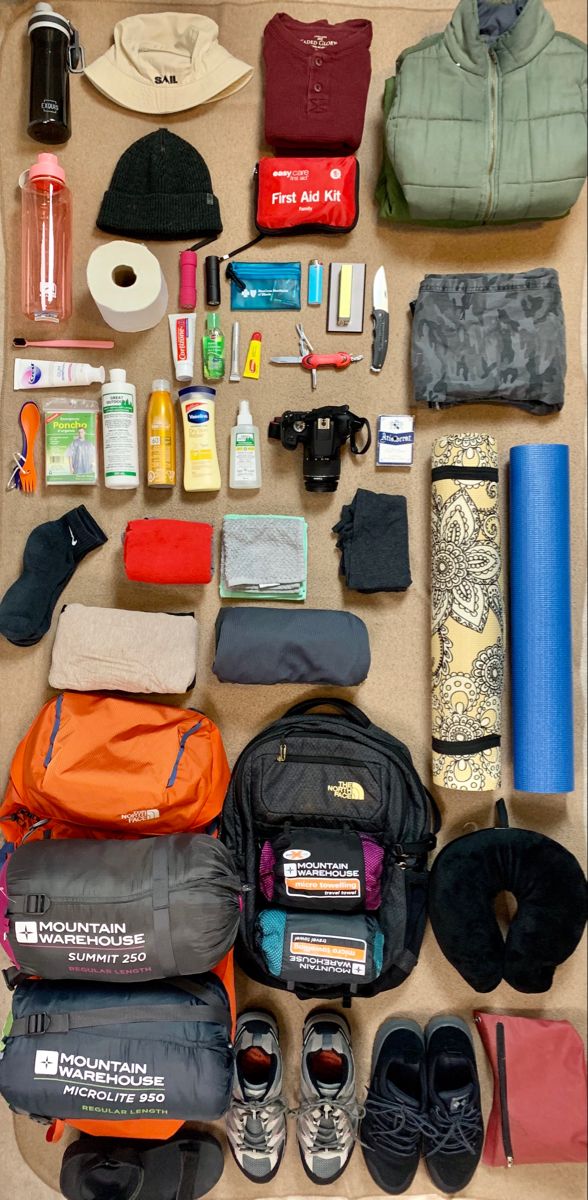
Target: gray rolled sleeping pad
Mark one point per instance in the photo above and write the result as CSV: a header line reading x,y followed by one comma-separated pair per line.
x,y
93,1051
121,911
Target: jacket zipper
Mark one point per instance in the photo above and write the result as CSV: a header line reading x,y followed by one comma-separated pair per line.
x,y
284,755
502,1084
494,130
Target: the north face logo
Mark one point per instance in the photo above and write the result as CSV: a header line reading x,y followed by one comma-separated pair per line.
x,y
46,1062
346,789
165,79
25,931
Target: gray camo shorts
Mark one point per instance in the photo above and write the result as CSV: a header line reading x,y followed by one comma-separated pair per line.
x,y
497,339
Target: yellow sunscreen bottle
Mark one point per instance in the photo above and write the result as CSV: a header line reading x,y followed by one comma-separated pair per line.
x,y
161,436
253,362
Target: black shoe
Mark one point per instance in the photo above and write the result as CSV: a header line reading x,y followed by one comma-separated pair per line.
x,y
454,1136
396,1106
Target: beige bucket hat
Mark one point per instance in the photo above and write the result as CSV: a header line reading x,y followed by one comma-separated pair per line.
x,y
166,62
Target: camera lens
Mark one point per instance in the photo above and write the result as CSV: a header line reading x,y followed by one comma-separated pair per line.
x,y
322,483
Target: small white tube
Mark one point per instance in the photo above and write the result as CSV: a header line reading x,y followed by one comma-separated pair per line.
x,y
31,373
182,331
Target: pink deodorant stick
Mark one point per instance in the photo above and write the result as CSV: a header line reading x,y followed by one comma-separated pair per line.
x,y
188,262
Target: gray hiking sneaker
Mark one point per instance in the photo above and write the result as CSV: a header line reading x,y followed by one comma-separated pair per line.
x,y
256,1120
328,1116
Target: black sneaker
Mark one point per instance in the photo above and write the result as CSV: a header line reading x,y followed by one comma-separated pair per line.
x,y
454,1136
396,1105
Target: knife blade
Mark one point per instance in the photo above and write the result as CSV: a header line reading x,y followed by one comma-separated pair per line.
x,y
381,320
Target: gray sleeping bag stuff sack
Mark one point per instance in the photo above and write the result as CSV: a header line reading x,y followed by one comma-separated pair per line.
x,y
93,1051
312,645
118,911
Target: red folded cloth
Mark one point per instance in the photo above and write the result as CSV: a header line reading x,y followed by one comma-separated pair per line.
x,y
159,551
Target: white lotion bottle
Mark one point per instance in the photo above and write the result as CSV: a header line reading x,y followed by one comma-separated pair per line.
x,y
119,431
245,462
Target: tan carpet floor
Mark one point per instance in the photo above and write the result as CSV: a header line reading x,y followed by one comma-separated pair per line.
x,y
396,694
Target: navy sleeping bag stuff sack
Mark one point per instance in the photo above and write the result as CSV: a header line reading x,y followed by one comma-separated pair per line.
x,y
104,1052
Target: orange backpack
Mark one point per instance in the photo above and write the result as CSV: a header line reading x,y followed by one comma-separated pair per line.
x,y
100,766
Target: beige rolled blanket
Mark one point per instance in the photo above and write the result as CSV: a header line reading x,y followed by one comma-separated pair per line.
x,y
111,649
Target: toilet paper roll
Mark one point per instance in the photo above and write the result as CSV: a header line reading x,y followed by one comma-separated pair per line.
x,y
128,286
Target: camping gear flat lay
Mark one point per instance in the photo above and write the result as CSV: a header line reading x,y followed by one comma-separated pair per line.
x,y
489,339
350,775
101,649
158,825
284,646
495,64
467,613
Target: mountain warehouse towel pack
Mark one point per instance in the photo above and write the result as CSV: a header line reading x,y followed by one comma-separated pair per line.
x,y
119,911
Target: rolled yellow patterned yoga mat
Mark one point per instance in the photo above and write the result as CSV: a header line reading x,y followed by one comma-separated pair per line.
x,y
467,613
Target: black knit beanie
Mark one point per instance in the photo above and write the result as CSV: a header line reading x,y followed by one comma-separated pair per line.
x,y
160,189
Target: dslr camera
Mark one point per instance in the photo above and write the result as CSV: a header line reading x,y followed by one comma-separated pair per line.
x,y
322,432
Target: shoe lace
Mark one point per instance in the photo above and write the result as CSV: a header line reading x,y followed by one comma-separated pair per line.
x,y
393,1125
330,1123
266,1114
455,1132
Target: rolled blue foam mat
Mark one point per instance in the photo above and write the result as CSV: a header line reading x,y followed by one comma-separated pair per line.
x,y
541,619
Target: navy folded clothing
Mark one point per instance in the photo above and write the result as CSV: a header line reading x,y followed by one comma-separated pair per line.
x,y
373,540
278,645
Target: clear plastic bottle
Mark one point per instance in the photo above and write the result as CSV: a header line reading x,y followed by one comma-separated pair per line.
x,y
46,241
245,461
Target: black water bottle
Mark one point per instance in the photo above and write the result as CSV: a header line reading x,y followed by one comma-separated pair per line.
x,y
49,116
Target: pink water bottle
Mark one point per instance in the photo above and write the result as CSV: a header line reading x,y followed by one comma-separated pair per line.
x,y
46,241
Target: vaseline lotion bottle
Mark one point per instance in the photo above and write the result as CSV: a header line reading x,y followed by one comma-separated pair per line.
x,y
201,469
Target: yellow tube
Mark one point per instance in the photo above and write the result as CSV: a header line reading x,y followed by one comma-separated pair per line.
x,y
253,361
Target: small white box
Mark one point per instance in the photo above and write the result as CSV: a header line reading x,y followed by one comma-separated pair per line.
x,y
395,443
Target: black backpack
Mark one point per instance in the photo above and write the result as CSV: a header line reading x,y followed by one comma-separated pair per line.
x,y
330,827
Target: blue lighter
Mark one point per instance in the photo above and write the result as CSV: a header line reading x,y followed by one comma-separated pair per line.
x,y
315,282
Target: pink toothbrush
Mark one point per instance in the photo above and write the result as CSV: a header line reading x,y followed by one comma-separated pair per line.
x,y
64,344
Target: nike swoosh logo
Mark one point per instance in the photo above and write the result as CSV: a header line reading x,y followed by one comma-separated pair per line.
x,y
74,541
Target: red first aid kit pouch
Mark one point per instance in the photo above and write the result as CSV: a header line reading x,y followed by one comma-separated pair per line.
x,y
162,551
539,1106
306,195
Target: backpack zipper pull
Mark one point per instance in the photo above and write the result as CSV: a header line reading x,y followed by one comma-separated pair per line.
x,y
282,752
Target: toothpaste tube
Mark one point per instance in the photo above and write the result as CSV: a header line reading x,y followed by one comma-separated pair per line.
x,y
31,373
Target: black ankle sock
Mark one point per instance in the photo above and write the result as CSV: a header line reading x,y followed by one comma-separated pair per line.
x,y
51,555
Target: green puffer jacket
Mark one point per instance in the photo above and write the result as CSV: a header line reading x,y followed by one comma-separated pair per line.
x,y
486,122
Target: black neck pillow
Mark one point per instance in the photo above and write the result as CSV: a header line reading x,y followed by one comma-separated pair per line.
x,y
550,889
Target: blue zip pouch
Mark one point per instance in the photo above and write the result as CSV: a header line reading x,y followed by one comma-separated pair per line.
x,y
264,285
